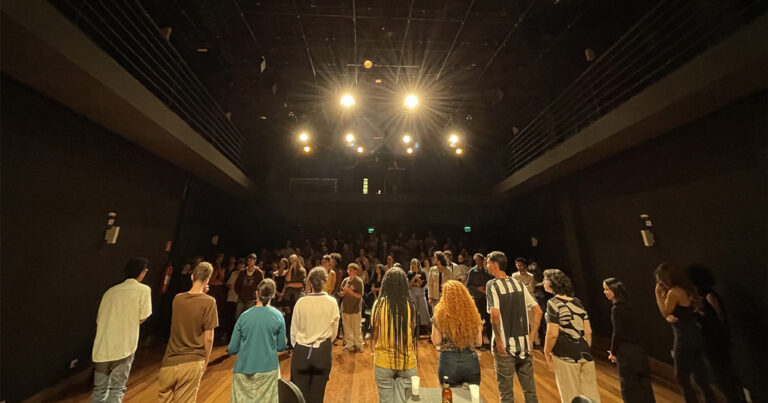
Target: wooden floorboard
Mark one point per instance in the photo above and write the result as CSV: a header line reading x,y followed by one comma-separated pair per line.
x,y
351,378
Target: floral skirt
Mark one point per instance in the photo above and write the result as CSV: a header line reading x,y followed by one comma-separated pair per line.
x,y
260,387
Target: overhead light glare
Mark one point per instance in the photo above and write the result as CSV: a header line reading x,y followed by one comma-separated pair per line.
x,y
307,149
367,64
411,101
409,150
304,137
407,139
350,137
453,139
459,151
360,150
347,101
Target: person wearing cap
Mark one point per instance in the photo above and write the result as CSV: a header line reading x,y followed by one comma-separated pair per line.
x,y
123,308
246,284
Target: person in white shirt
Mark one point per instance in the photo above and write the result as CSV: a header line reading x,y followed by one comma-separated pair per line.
x,y
123,308
314,325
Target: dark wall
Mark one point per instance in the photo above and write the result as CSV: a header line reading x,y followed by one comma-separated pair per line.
x,y
705,187
61,176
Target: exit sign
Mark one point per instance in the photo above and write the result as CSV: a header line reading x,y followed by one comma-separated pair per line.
x,y
467,229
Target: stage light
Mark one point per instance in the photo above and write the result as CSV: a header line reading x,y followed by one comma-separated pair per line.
x,y
453,139
360,150
407,139
459,151
347,101
350,138
367,64
411,101
303,137
307,149
409,150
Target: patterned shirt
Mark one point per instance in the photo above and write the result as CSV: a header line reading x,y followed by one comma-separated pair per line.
x,y
570,315
513,301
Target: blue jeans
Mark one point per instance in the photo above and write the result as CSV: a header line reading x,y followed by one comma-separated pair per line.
x,y
110,378
459,366
392,383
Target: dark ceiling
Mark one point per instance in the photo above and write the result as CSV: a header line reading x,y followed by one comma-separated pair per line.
x,y
481,68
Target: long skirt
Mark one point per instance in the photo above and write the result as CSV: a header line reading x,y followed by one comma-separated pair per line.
x,y
420,302
260,387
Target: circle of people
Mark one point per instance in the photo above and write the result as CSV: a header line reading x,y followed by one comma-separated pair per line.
x,y
460,309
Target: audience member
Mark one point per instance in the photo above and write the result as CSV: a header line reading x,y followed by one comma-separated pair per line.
x,y
189,349
376,280
330,285
294,289
257,338
218,290
122,309
230,310
395,349
314,325
416,282
568,340
508,305
351,318
439,274
338,267
453,267
462,270
246,284
541,297
477,278
456,329
626,351
678,302
528,281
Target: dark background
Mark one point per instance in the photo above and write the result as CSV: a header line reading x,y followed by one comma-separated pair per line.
x,y
703,186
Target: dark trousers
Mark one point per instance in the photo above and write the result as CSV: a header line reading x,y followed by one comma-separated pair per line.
x,y
228,320
506,367
720,365
634,374
691,362
310,368
485,316
459,366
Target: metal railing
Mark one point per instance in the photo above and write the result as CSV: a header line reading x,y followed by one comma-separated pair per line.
x,y
126,32
670,34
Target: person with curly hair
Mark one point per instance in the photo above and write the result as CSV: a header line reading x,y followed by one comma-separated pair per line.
x,y
679,303
456,330
393,321
569,339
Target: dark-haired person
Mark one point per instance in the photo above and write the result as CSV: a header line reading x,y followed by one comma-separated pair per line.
x,y
122,309
330,285
189,347
351,300
293,289
452,266
456,330
339,269
314,326
626,351
393,322
416,282
245,285
258,336
477,278
218,291
439,274
678,302
569,340
509,304
376,279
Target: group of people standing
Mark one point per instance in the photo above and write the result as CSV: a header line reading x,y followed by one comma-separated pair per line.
x,y
463,309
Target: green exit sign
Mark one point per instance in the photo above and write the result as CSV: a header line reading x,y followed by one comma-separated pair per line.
x,y
467,229
370,230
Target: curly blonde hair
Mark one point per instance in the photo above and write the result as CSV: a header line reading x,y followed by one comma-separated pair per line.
x,y
456,314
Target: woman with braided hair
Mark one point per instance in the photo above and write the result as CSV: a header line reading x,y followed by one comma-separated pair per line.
x,y
393,338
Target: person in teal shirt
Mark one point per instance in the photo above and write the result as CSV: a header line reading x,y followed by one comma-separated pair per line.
x,y
258,336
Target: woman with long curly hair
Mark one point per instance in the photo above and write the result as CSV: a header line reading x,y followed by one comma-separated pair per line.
x,y
393,322
457,329
678,303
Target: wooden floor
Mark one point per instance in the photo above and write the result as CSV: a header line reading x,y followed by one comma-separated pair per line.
x,y
352,380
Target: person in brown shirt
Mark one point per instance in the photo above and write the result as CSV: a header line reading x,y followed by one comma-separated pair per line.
x,y
351,294
246,284
189,348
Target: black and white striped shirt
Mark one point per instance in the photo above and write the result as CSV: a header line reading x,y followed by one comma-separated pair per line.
x,y
513,301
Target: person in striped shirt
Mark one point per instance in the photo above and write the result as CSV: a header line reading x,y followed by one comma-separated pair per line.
x,y
515,316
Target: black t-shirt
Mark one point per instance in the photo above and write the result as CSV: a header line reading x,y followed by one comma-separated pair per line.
x,y
571,346
421,274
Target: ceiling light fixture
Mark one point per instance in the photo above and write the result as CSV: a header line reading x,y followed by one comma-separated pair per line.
x,y
367,64
409,150
303,137
350,137
360,150
406,139
453,139
307,149
347,101
459,151
411,101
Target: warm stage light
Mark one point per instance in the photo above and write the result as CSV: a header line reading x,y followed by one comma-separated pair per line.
x,y
347,101
307,149
411,101
453,139
459,151
350,138
360,150
409,150
406,139
303,137
367,64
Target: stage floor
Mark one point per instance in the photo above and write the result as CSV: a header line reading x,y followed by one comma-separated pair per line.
x,y
352,380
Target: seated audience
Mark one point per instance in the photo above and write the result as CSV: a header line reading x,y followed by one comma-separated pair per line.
x,y
258,336
456,329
